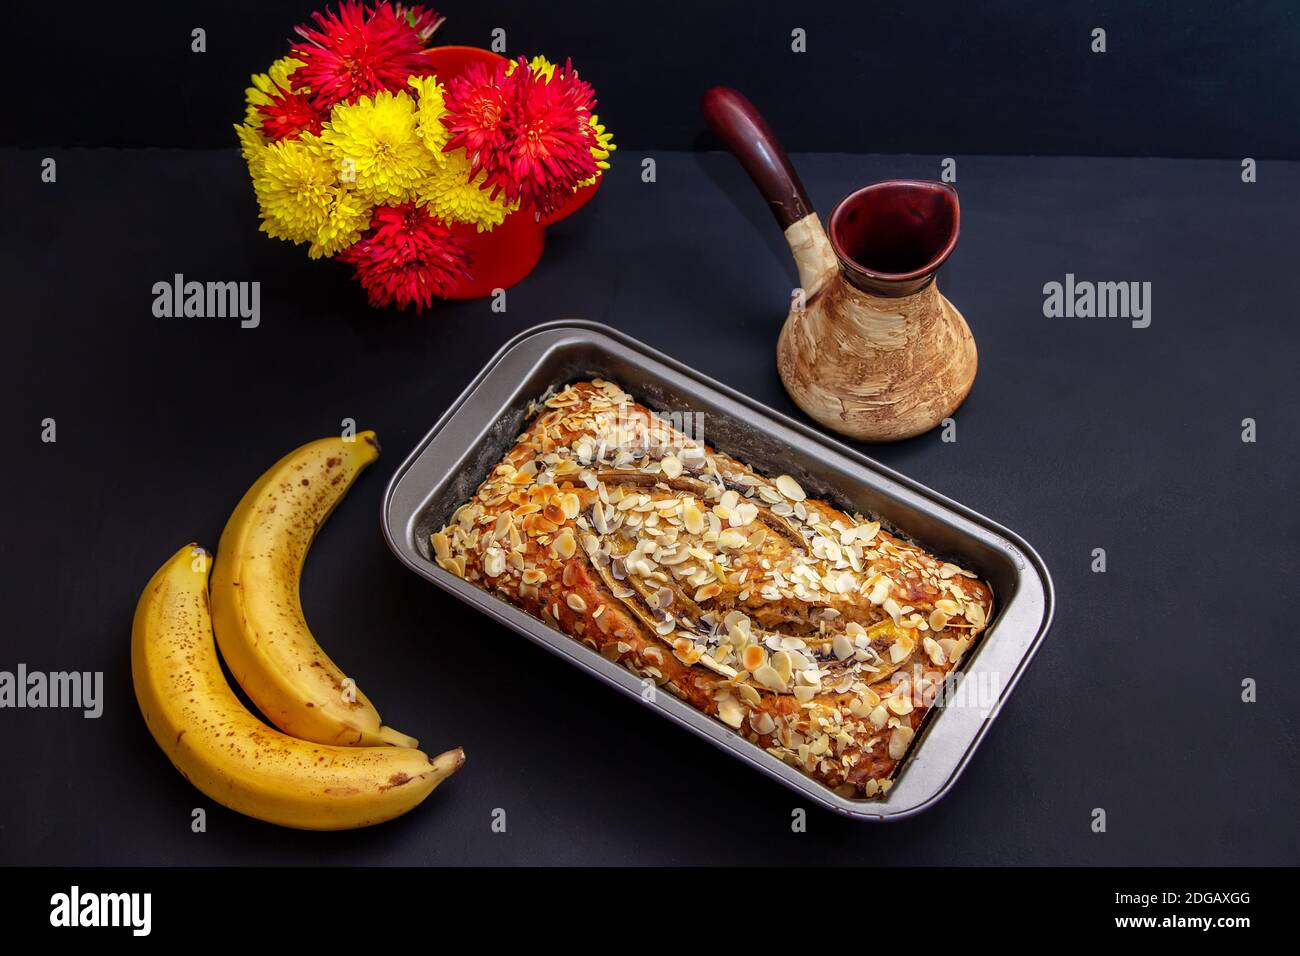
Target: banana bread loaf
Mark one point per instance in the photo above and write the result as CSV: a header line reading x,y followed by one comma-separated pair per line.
x,y
817,635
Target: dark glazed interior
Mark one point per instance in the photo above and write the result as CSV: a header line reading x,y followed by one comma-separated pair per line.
x,y
892,237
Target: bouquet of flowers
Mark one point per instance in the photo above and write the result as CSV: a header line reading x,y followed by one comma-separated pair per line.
x,y
358,149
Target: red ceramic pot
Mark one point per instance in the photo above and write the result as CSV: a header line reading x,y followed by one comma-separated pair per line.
x,y
504,255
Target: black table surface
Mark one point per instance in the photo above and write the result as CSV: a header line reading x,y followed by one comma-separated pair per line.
x,y
1079,434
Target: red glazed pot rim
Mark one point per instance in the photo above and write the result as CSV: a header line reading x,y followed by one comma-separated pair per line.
x,y
462,49
856,199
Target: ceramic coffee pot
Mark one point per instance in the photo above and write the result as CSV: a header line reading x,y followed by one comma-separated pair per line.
x,y
870,349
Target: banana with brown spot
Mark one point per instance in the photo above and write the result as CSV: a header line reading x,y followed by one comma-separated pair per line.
x,y
257,610
228,753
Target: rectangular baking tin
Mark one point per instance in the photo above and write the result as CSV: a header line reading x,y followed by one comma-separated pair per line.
x,y
447,466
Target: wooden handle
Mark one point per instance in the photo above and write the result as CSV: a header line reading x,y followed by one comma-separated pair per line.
x,y
743,129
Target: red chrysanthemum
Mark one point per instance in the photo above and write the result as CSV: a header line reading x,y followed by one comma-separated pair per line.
x,y
475,105
361,50
407,257
531,135
290,114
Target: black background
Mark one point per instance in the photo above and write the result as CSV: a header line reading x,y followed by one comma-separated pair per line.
x,y
1184,78
1079,434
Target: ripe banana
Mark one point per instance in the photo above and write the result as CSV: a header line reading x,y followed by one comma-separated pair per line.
x,y
232,756
256,608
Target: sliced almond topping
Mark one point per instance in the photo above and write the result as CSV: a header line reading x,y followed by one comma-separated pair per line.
x,y
441,546
753,657
730,712
455,565
890,607
880,590
938,620
790,488
598,519
672,466
494,562
936,653
575,602
731,540
783,664
564,545
899,741
879,716
762,723
842,647
899,650
900,704
769,678
692,517
708,591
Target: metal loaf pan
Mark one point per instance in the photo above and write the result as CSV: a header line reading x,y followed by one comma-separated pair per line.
x,y
447,466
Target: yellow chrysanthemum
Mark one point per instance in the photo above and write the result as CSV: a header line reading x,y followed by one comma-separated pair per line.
x,y
604,142
302,199
295,187
538,64
451,197
430,107
376,139
252,146
600,152
348,217
263,83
